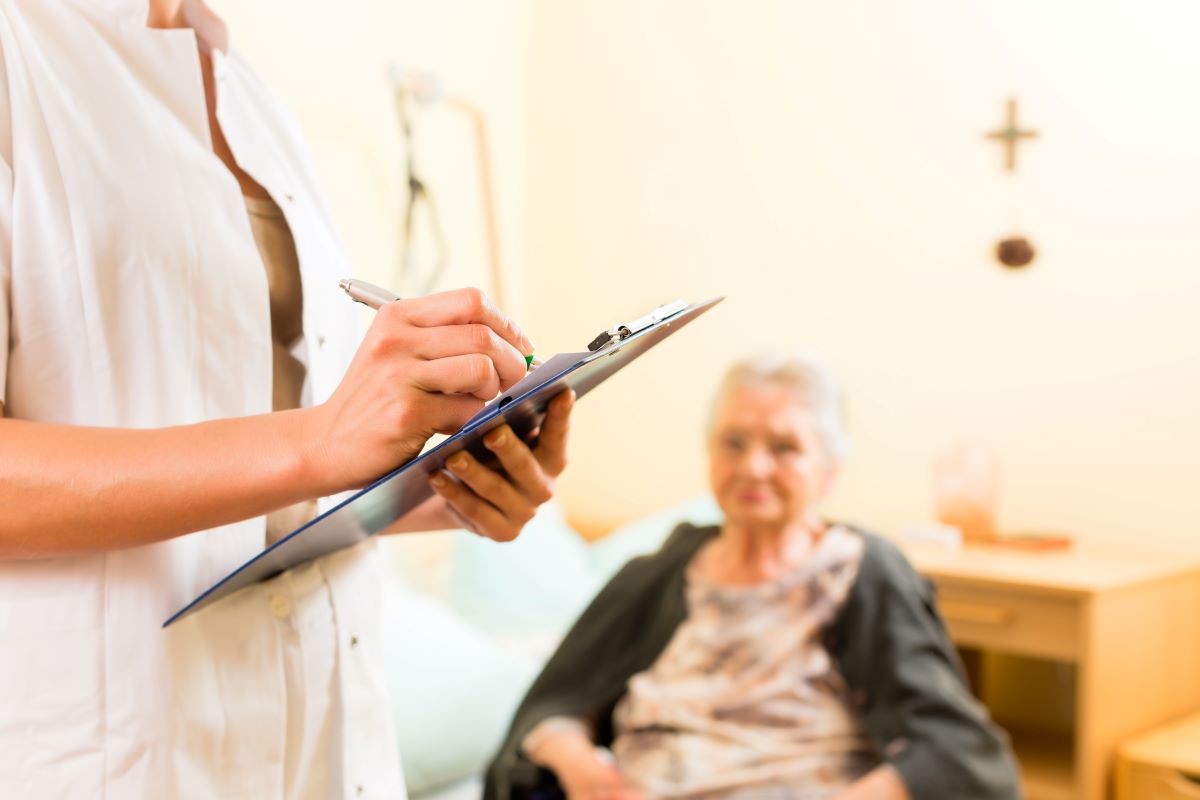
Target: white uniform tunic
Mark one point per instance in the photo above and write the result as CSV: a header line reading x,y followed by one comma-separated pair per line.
x,y
132,295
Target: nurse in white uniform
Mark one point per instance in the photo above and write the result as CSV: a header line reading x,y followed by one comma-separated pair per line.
x,y
180,378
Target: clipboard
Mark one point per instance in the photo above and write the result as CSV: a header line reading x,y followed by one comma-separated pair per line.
x,y
523,407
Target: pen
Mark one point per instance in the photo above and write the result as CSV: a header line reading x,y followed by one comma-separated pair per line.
x,y
367,293
375,296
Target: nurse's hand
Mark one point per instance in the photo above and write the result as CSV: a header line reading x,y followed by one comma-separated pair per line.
x,y
426,366
498,504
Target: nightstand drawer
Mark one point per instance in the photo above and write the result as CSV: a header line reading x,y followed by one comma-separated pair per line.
x,y
1025,624
1162,764
1145,782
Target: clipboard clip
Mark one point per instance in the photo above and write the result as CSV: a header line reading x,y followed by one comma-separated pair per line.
x,y
619,332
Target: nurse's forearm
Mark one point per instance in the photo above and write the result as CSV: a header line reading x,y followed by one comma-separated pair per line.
x,y
68,489
425,366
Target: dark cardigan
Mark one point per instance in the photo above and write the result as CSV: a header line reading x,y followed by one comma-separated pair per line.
x,y
888,642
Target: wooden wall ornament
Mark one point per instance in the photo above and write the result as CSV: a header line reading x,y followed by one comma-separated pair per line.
x,y
1013,252
1010,136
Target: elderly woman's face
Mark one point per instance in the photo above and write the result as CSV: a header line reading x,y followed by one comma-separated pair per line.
x,y
767,464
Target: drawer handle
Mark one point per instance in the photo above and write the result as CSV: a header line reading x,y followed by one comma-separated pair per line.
x,y
976,613
1182,784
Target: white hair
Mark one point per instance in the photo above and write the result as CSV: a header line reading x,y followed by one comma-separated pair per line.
x,y
810,381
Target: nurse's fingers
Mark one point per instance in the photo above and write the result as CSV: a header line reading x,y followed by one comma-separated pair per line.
x,y
493,487
443,413
476,514
471,374
551,450
522,468
462,307
455,340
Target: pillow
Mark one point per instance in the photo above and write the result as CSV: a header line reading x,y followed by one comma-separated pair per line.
x,y
647,534
540,582
420,560
453,691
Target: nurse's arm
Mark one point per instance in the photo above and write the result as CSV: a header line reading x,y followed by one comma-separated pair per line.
x,y
425,366
67,489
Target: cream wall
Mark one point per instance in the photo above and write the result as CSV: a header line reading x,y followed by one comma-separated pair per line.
x,y
823,165
329,61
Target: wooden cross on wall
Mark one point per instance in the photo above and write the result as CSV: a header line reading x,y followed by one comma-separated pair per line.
x,y
1011,135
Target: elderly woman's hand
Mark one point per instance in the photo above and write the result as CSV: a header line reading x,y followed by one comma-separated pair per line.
x,y
498,504
584,771
593,777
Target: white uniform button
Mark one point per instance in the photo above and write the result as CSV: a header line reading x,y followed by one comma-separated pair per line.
x,y
354,641
281,607
320,341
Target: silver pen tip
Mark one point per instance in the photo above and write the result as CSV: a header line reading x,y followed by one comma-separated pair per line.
x,y
344,284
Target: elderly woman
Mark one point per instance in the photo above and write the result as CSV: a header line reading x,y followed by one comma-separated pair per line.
x,y
779,655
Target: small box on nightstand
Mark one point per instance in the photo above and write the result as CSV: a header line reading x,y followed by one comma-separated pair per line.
x,y
1162,764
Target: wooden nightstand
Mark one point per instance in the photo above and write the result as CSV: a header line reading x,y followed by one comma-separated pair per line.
x,y
1125,625
1163,764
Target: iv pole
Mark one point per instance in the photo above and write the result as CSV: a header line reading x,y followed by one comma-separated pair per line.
x,y
424,89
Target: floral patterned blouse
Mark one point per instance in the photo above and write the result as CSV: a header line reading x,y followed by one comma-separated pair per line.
x,y
746,702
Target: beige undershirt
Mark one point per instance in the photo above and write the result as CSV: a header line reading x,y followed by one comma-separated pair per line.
x,y
278,252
